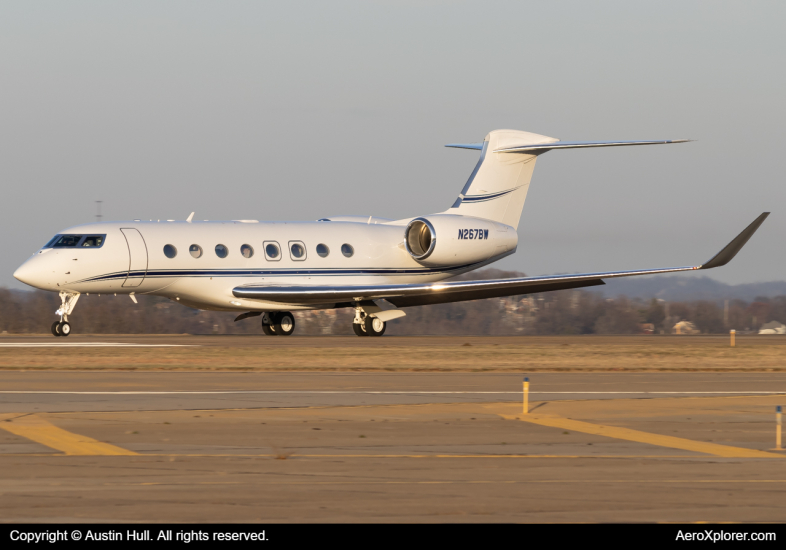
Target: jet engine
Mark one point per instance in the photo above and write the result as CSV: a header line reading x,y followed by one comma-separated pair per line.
x,y
445,240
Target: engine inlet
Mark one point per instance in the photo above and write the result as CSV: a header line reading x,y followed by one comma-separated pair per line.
x,y
420,238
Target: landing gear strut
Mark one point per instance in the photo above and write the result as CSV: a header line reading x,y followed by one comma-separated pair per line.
x,y
62,327
278,323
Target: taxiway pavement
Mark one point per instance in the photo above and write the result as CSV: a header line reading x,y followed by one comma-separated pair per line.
x,y
358,447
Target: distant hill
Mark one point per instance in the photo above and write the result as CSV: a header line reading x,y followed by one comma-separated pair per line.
x,y
677,288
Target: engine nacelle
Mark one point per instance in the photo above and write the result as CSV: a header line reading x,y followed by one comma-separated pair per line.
x,y
444,240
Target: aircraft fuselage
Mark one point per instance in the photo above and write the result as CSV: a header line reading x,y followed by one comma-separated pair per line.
x,y
132,259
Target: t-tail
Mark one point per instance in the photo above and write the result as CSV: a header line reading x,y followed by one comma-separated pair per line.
x,y
497,188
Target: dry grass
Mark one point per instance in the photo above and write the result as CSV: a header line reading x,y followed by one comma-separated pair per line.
x,y
516,354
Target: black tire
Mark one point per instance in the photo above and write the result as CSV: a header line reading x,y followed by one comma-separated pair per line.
x,y
64,329
284,323
56,328
266,328
359,329
375,327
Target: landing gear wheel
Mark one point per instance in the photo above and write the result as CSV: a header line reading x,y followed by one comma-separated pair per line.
x,y
359,329
64,329
375,327
267,328
56,328
284,323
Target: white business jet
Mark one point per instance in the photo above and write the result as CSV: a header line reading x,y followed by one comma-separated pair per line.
x,y
375,266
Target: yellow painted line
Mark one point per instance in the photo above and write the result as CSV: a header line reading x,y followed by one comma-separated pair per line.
x,y
297,456
39,430
642,437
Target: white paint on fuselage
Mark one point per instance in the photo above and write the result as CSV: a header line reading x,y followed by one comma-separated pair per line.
x,y
207,282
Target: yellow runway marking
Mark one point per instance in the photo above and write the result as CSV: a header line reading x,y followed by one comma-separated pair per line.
x,y
298,456
295,456
39,430
642,437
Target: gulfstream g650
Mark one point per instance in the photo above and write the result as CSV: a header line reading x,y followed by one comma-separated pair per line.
x,y
376,266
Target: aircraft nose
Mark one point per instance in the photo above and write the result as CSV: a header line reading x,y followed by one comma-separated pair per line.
x,y
28,274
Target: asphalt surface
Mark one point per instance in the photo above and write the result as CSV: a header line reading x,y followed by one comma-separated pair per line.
x,y
427,341
363,447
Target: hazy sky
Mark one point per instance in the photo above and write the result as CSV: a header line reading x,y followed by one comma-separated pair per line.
x,y
301,110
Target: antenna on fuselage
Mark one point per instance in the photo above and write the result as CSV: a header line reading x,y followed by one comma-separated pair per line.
x,y
191,217
98,211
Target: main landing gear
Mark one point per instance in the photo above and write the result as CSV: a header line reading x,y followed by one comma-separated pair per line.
x,y
62,327
366,325
278,323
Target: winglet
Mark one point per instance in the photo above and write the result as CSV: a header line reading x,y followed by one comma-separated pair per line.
x,y
725,256
191,217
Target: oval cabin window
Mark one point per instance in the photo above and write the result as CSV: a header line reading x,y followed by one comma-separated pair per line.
x,y
272,251
170,251
323,250
298,251
347,250
195,250
221,251
246,251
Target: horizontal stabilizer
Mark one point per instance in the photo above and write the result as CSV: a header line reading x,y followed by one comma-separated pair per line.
x,y
476,146
543,147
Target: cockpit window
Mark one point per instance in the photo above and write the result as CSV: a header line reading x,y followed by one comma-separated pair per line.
x,y
71,241
51,242
67,241
93,241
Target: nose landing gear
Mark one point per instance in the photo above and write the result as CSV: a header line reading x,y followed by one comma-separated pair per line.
x,y
62,327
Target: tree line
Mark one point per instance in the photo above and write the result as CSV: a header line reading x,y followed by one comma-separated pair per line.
x,y
562,312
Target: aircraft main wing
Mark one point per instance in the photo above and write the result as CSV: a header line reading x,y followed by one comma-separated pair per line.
x,y
406,295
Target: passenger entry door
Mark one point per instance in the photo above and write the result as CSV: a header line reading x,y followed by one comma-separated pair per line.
x,y
137,258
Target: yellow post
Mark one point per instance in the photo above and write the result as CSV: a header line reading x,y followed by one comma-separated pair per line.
x,y
731,334
526,396
778,429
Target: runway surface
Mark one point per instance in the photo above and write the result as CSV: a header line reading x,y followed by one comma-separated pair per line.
x,y
404,447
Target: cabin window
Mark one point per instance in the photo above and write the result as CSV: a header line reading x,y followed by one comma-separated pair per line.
x,y
272,251
297,250
170,251
93,241
347,250
67,241
246,251
323,250
221,251
195,250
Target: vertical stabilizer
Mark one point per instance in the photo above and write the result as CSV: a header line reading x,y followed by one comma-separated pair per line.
x,y
497,188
